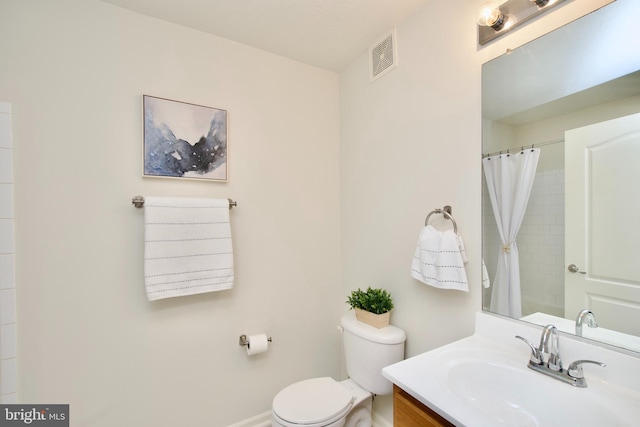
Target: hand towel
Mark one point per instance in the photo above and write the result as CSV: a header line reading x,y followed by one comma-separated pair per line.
x,y
485,276
188,248
463,252
438,260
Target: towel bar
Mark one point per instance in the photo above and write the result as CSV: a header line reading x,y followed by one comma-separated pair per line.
x,y
446,211
138,202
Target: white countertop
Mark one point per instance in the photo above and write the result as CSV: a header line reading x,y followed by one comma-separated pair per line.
x,y
428,377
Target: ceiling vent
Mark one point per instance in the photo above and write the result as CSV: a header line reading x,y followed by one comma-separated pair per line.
x,y
383,56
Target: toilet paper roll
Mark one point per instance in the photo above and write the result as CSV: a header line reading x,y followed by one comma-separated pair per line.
x,y
257,344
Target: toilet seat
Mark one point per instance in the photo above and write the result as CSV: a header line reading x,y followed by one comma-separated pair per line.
x,y
312,402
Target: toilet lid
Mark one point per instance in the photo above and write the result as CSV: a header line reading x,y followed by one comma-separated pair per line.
x,y
312,401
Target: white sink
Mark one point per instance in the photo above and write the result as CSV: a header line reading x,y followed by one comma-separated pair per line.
x,y
504,389
479,381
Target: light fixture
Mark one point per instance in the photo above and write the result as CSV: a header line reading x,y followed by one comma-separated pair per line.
x,y
496,18
540,3
490,15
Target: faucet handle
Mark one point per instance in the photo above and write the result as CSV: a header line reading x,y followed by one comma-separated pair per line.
x,y
575,369
555,362
536,354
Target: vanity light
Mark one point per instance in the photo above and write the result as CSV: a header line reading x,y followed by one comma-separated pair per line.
x,y
495,18
540,3
490,15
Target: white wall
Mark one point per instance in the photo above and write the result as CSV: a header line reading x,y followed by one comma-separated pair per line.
x,y
75,72
410,144
8,318
315,218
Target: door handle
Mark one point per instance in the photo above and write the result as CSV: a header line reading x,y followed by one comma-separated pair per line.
x,y
574,269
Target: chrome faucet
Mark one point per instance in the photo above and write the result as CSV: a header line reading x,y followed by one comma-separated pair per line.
x,y
546,359
585,316
550,345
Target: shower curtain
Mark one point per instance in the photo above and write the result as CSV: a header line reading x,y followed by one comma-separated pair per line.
x,y
509,180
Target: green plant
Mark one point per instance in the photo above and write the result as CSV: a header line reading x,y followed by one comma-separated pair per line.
x,y
376,301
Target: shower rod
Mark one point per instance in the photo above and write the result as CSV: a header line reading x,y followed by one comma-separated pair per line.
x,y
514,149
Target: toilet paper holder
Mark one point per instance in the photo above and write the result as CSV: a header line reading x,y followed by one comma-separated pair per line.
x,y
245,342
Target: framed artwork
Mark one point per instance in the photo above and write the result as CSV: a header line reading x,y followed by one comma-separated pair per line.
x,y
183,140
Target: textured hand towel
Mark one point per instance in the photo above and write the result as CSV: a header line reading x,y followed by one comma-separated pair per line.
x,y
438,260
463,252
188,248
485,276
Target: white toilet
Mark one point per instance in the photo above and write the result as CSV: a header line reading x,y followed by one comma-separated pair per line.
x,y
324,402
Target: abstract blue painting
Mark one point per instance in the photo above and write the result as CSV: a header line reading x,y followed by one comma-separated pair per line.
x,y
183,140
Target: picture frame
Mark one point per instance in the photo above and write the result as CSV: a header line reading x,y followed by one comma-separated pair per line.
x,y
184,140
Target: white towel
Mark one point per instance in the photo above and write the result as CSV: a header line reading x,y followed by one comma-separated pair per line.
x,y
463,252
438,260
188,248
485,276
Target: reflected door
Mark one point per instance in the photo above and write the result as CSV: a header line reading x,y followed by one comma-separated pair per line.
x,y
602,211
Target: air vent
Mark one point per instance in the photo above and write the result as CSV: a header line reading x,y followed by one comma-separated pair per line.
x,y
383,56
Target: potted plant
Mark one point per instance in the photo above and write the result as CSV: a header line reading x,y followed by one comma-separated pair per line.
x,y
372,306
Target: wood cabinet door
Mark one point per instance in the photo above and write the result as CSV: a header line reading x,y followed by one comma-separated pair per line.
x,y
409,412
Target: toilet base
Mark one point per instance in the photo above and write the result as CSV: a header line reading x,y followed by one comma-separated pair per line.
x,y
358,416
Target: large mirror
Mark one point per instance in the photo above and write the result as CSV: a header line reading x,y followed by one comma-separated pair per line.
x,y
561,183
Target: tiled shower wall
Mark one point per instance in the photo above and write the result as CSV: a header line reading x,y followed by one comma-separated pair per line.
x,y
540,244
8,369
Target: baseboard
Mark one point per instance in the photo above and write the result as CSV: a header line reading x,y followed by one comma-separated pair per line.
x,y
264,420
261,420
378,421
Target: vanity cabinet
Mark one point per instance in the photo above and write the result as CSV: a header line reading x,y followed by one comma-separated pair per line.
x,y
409,412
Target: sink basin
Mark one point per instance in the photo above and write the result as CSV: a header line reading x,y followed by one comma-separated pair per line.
x,y
509,393
484,381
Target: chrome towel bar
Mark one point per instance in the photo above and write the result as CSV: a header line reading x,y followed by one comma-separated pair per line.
x,y
138,202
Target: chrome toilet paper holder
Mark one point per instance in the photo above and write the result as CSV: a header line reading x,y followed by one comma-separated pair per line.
x,y
243,341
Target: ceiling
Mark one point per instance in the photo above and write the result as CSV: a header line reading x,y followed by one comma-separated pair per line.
x,y
324,33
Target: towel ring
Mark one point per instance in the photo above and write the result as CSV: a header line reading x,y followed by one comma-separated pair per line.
x,y
446,211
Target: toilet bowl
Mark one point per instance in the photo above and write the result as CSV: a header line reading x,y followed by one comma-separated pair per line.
x,y
322,402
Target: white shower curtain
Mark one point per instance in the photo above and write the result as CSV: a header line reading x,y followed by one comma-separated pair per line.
x,y
509,180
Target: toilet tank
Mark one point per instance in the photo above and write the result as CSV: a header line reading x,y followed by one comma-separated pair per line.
x,y
368,349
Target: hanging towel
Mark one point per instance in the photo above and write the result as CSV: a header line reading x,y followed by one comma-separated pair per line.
x,y
463,252
485,276
438,260
188,248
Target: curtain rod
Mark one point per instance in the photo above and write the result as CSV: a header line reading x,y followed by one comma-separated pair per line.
x,y
511,150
